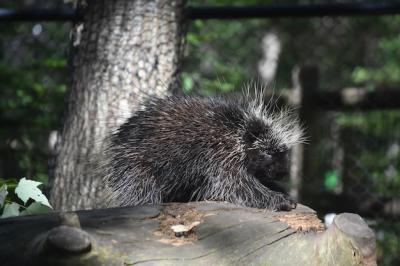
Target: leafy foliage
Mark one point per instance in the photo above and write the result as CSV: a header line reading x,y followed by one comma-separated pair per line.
x,y
33,75
29,200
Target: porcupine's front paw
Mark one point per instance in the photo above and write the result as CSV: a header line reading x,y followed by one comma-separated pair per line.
x,y
282,202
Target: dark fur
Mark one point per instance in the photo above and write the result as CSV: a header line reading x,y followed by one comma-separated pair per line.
x,y
190,148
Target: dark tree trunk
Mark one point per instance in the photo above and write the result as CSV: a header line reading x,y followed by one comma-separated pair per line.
x,y
125,51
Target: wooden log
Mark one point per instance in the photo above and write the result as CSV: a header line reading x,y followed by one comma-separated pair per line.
x,y
217,234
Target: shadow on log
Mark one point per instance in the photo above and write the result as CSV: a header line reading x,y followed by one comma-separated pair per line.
x,y
200,233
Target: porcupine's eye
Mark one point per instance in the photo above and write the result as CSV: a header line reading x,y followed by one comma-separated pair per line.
x,y
259,163
265,159
254,129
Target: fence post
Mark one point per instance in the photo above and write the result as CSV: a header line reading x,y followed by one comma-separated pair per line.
x,y
305,81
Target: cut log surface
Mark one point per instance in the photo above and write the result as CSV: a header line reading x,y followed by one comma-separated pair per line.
x,y
200,233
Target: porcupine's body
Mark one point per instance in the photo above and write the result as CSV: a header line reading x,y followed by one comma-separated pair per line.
x,y
192,148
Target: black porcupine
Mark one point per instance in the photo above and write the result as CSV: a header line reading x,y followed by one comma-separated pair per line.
x,y
192,148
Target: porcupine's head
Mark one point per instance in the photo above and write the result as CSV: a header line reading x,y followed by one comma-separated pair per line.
x,y
268,137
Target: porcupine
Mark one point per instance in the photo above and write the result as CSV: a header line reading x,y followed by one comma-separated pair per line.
x,y
188,148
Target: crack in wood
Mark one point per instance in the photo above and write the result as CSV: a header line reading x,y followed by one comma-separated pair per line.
x,y
270,243
177,259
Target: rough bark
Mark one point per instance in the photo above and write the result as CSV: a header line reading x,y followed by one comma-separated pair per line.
x,y
125,51
223,234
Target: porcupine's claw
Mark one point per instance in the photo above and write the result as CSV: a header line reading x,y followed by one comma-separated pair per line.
x,y
283,202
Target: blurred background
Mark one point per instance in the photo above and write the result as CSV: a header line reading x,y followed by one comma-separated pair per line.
x,y
352,161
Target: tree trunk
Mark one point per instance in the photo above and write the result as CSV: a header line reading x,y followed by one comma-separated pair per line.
x,y
125,51
221,234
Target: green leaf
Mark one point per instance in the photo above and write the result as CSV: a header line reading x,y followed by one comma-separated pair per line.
x,y
10,210
3,194
27,189
360,75
331,180
193,39
36,208
187,82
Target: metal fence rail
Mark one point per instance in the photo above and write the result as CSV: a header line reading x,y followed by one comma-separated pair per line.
x,y
227,12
